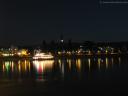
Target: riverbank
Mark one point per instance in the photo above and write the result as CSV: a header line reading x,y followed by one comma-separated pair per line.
x,y
65,56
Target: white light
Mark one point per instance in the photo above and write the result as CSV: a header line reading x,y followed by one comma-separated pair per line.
x,y
5,54
19,53
42,56
62,40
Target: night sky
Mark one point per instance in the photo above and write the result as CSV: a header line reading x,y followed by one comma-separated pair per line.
x,y
26,22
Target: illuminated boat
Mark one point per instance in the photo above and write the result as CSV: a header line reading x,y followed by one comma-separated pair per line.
x,y
42,56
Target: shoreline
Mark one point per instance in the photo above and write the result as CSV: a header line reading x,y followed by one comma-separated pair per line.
x,y
64,56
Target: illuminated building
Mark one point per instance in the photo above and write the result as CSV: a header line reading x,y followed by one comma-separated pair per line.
x,y
22,52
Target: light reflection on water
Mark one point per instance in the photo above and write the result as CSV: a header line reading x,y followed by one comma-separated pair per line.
x,y
42,67
60,69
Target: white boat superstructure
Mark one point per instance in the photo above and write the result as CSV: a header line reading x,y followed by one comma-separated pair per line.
x,y
43,56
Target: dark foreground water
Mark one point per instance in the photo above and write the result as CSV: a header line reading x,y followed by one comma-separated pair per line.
x,y
64,77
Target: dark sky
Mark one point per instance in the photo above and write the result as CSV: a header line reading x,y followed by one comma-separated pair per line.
x,y
25,22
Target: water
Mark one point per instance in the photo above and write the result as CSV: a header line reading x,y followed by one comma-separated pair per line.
x,y
66,76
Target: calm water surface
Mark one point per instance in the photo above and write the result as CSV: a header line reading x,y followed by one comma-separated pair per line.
x,y
66,76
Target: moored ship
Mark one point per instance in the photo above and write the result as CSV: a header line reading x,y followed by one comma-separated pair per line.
x,y
42,56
